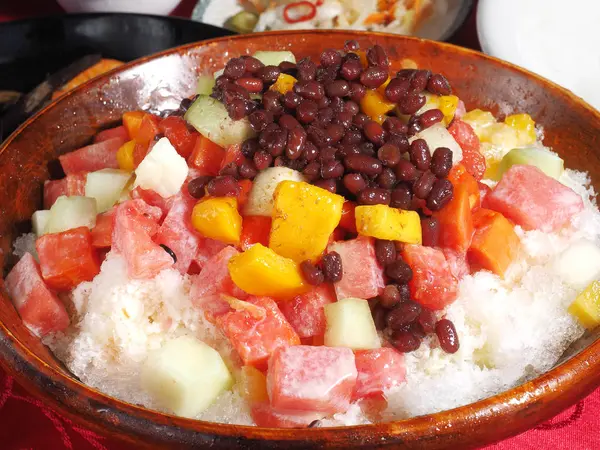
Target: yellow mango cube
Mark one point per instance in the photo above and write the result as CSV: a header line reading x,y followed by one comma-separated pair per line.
x,y
284,83
218,218
253,385
586,307
392,224
479,120
376,106
261,271
525,127
125,156
304,216
448,104
381,89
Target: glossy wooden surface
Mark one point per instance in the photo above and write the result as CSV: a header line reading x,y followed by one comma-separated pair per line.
x,y
571,128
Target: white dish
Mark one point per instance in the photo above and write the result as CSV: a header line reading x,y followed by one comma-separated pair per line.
x,y
552,38
160,7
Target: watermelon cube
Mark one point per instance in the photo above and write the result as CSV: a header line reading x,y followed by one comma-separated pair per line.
x,y
533,200
134,225
153,199
457,262
362,274
207,248
67,258
101,155
102,231
177,233
254,337
378,369
111,133
305,312
42,312
307,378
72,184
432,284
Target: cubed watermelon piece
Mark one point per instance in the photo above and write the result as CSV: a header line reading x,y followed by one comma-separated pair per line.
x,y
378,369
67,258
305,312
153,199
207,248
256,338
111,133
307,378
42,312
264,415
177,132
72,184
533,200
432,284
135,223
101,155
102,231
472,158
457,262
212,281
362,274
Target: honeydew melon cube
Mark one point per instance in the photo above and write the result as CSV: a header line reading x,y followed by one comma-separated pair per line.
x,y
260,199
106,186
274,58
39,221
350,324
71,212
548,162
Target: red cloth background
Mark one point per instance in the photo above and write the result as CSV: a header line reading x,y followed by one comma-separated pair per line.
x,y
28,424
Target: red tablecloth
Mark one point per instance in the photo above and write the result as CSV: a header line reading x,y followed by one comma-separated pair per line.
x,y
28,424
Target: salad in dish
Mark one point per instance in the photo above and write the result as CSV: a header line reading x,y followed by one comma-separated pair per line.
x,y
311,243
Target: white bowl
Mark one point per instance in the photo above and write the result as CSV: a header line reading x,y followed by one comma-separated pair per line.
x,y
160,7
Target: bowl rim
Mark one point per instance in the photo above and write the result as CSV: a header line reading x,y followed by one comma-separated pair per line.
x,y
103,412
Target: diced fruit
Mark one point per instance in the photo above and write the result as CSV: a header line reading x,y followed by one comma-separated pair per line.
x,y
350,324
525,127
579,264
233,154
148,129
545,160
305,312
459,176
153,199
284,83
305,378
177,233
472,158
432,284
495,244
586,307
392,224
218,218
304,216
274,58
72,184
255,229
257,332
378,370
533,200
213,281
185,375
125,156
163,170
207,248
455,219
260,201
205,85
376,106
479,121
348,220
116,132
253,385
102,232
132,120
101,155
362,275
106,186
71,212
39,221
457,262
211,119
438,136
42,312
176,131
131,237
264,415
448,104
261,271
67,258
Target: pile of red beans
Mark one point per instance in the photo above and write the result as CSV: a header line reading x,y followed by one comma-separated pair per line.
x,y
318,128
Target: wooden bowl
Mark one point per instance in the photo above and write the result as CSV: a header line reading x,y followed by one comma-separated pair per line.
x,y
571,127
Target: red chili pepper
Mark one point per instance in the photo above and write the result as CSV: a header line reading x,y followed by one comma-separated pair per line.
x,y
320,2
312,11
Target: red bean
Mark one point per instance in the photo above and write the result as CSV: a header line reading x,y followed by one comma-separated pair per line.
x,y
441,161
400,141
311,273
332,267
441,193
351,46
364,164
331,169
420,155
318,136
385,251
352,137
387,179
329,185
405,341
249,147
253,65
374,132
223,186
310,151
360,120
427,320
357,91
295,142
397,89
331,57
376,56
307,70
312,171
422,187
351,70
411,103
328,153
196,186
354,182
401,197
390,296
288,122
418,81
367,148
268,74
324,117
389,155
312,90
335,131
373,77
291,100
379,313
247,169
439,85
272,102
394,125
338,88
235,68
430,229
307,110
262,160
289,68
373,196
259,120
352,108
236,108
406,171
403,314
251,84
446,333
430,117
404,292
230,169
399,271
